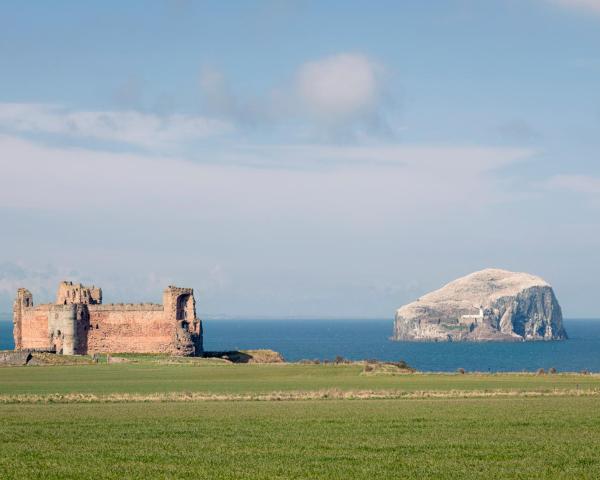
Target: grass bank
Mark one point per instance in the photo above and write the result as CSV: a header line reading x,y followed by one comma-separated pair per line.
x,y
230,379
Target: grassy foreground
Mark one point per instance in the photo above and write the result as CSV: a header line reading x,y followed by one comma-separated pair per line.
x,y
484,438
551,432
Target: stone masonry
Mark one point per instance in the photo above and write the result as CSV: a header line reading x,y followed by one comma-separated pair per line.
x,y
79,323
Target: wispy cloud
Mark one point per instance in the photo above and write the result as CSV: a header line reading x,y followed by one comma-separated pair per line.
x,y
387,176
128,127
422,157
337,96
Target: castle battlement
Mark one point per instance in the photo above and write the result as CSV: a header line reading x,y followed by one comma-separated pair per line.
x,y
129,307
79,323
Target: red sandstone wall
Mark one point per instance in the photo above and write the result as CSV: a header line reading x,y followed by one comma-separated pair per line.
x,y
129,328
34,327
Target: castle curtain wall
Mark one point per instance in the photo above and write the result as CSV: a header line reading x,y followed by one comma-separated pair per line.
x,y
112,328
129,328
34,327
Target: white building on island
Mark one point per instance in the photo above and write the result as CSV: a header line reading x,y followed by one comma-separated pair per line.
x,y
473,318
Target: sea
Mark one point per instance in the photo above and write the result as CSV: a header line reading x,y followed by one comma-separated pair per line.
x,y
313,339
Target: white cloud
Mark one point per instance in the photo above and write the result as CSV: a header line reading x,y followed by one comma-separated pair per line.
x,y
339,87
129,127
591,5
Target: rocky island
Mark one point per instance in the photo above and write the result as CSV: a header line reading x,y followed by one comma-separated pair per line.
x,y
489,305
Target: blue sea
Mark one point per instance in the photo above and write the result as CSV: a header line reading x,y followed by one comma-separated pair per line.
x,y
364,339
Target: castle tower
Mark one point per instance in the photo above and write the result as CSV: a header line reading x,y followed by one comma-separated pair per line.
x,y
67,328
69,292
180,307
24,299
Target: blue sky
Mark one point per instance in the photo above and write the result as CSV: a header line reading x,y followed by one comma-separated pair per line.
x,y
299,158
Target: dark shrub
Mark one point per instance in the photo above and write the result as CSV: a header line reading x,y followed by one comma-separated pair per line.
x,y
540,371
461,371
339,359
552,370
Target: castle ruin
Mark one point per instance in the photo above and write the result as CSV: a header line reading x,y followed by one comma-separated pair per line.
x,y
79,323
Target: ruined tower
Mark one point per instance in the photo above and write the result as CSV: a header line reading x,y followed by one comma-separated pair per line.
x,y
23,300
69,292
180,306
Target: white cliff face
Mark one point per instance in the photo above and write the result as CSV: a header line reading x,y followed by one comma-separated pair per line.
x,y
489,305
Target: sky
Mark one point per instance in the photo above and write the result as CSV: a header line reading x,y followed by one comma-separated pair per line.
x,y
298,158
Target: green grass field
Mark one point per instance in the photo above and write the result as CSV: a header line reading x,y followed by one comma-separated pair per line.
x,y
552,436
